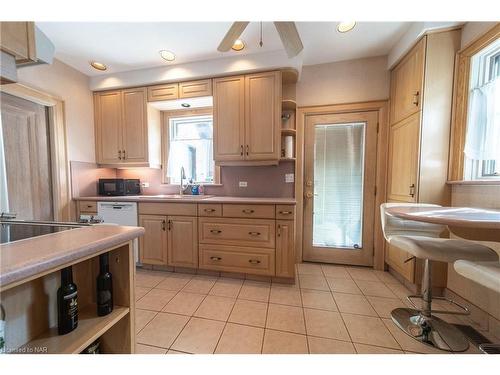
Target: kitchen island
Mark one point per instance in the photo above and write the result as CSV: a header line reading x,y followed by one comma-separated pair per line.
x,y
30,277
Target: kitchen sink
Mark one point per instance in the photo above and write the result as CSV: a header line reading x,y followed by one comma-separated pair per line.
x,y
176,196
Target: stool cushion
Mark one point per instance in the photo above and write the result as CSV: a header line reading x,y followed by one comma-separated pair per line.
x,y
483,273
444,249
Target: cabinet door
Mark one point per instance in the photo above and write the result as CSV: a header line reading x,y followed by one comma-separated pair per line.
x,y
153,245
404,140
262,116
163,92
397,259
18,39
194,89
108,118
183,241
134,126
407,83
229,118
285,248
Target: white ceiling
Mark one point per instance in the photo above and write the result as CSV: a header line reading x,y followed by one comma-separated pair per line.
x,y
125,46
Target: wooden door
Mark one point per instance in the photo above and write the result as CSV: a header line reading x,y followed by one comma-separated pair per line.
x,y
262,116
153,245
339,178
407,83
285,248
134,126
108,120
183,241
404,141
229,118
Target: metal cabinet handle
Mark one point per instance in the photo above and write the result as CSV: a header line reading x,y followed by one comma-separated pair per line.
x,y
170,224
124,157
163,222
215,258
285,212
254,233
209,210
415,98
412,190
248,211
120,154
279,230
89,206
241,150
215,231
254,261
247,150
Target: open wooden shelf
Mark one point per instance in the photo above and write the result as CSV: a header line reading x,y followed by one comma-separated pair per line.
x,y
90,327
288,105
288,132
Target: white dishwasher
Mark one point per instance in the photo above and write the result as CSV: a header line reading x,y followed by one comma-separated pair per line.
x,y
120,213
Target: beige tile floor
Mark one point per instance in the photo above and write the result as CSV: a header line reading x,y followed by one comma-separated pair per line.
x,y
330,309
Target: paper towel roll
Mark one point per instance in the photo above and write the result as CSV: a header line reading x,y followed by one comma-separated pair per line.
x,y
289,146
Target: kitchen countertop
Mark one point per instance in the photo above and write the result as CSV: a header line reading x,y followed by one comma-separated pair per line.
x,y
28,258
189,199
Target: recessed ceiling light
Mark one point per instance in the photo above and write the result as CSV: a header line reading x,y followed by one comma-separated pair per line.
x,y
98,65
186,105
167,55
345,26
238,45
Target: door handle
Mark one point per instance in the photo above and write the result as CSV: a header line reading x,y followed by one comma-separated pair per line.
x,y
169,225
248,211
163,222
412,190
241,150
254,261
309,195
279,230
209,210
215,258
120,154
254,233
285,212
415,98
247,150
215,231
124,157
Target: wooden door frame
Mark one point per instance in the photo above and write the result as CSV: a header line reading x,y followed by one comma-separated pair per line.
x,y
381,106
63,210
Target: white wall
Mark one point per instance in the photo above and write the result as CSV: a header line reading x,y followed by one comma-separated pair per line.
x,y
344,82
473,30
71,86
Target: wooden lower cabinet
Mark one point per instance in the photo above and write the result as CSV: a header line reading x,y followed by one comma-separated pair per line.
x,y
182,241
153,245
285,248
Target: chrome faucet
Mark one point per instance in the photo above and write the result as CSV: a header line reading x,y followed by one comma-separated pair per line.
x,y
183,188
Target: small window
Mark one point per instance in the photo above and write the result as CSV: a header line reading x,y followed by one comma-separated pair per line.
x,y
189,145
482,142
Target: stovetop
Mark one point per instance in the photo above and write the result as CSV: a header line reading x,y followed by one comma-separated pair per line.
x,y
12,231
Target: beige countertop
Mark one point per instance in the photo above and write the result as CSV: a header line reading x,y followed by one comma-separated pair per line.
x,y
30,257
189,199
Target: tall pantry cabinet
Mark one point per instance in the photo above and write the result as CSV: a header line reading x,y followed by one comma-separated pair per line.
x,y
420,114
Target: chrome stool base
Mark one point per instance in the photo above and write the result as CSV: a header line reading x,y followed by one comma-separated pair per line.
x,y
431,331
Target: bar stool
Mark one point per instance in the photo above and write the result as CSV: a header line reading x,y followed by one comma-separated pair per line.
x,y
486,274
423,242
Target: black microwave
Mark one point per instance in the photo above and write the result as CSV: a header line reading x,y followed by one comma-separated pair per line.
x,y
119,186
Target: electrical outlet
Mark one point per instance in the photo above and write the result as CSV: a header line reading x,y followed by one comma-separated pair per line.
x,y
243,184
289,177
145,184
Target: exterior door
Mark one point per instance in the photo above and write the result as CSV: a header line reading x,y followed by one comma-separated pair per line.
x,y
108,118
153,245
339,178
262,116
182,241
403,160
229,118
134,129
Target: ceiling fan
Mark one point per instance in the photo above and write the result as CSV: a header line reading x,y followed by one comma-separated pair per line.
x,y
287,31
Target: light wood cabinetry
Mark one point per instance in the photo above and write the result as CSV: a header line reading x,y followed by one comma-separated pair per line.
x,y
169,91
182,241
153,245
247,112
18,39
194,89
285,248
261,211
420,114
127,131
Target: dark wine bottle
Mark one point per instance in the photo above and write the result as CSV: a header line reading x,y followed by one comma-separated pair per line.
x,y
67,303
104,287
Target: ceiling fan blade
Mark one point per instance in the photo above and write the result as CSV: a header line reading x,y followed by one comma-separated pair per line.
x,y
233,33
289,37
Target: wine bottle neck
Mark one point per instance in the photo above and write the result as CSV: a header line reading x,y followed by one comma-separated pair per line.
x,y
66,275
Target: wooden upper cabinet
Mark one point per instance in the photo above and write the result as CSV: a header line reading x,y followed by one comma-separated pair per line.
x,y
18,39
153,245
262,116
108,119
134,129
183,241
407,83
194,89
168,91
404,141
229,118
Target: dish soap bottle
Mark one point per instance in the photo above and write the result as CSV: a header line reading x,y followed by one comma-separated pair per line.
x,y
67,303
104,286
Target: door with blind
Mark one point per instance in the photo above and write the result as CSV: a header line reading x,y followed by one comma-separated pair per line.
x,y
339,192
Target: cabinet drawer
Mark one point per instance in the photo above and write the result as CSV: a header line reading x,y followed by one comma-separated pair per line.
x,y
163,92
238,232
195,88
261,211
237,259
285,211
87,206
179,209
210,209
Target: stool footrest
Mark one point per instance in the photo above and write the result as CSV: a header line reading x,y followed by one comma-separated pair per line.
x,y
490,348
419,296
